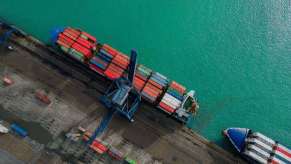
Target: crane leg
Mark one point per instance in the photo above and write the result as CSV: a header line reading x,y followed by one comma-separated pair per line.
x,y
103,125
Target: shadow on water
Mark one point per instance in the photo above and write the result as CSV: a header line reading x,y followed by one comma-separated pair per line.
x,y
35,131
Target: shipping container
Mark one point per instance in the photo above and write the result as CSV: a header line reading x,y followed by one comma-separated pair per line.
x,y
89,37
99,147
19,130
109,49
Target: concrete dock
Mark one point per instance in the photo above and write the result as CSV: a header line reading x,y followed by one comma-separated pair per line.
x,y
151,138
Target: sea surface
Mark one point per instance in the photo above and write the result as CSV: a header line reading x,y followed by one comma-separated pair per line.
x,y
235,54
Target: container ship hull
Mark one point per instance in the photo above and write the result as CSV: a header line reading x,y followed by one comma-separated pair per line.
x,y
258,148
155,88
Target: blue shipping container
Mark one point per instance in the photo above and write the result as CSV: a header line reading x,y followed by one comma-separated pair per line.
x,y
177,96
18,130
105,54
100,65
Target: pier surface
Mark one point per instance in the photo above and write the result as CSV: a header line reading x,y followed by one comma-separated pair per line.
x,y
152,138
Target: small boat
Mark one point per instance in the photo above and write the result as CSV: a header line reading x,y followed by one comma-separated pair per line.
x,y
256,147
3,129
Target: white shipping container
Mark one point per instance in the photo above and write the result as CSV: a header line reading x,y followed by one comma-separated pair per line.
x,y
257,149
263,137
268,147
256,157
172,99
169,104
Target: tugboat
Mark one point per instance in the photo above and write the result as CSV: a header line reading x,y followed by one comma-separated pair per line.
x,y
256,147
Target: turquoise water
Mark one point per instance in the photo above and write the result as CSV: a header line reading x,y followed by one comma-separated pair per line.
x,y
235,54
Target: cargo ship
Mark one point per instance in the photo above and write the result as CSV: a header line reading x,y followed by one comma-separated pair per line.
x,y
155,88
257,148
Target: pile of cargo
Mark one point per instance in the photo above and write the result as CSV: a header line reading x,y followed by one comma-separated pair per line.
x,y
265,150
117,67
142,75
97,145
113,64
101,60
101,147
79,45
173,98
154,87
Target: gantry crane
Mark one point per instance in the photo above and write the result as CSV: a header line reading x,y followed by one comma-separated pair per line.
x,y
120,98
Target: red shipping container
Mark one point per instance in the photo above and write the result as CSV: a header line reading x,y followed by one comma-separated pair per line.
x,y
70,35
87,53
121,61
72,31
89,37
113,71
178,87
153,96
66,39
155,84
120,64
166,107
138,84
115,68
109,49
62,43
84,42
138,80
150,91
154,88
112,75
98,147
123,56
138,87
140,76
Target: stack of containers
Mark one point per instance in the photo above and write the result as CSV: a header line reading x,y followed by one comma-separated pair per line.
x,y
100,61
99,146
141,76
79,52
282,154
64,42
265,150
117,67
172,98
76,43
88,37
154,87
